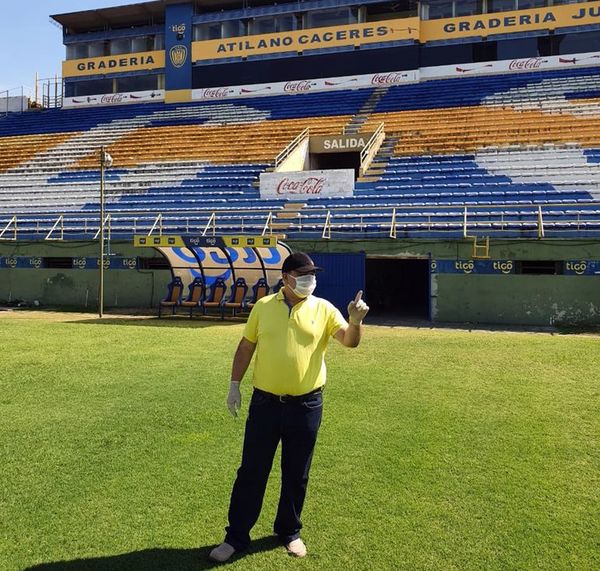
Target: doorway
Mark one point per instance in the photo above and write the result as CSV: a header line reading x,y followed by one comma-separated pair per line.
x,y
398,288
325,161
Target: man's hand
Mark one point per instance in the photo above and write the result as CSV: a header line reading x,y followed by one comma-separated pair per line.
x,y
234,398
357,309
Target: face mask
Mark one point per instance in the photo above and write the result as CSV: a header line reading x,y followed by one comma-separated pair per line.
x,y
305,285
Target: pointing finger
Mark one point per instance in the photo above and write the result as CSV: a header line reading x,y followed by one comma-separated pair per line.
x,y
358,296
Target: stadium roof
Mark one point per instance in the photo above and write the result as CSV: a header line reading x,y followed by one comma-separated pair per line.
x,y
140,14
117,16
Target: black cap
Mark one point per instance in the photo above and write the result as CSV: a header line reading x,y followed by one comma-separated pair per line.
x,y
299,262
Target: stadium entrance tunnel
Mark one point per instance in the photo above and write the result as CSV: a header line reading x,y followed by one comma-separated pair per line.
x,y
327,161
331,152
398,288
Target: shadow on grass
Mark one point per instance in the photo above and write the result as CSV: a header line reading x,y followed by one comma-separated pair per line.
x,y
578,329
154,559
177,322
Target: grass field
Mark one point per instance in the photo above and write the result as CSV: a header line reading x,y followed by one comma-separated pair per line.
x,y
439,450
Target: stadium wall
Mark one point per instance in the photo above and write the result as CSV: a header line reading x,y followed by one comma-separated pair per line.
x,y
462,296
518,299
67,287
500,298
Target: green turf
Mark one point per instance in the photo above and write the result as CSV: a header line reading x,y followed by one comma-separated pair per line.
x,y
438,450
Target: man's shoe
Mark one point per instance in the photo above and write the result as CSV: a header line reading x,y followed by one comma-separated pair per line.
x,y
296,548
222,553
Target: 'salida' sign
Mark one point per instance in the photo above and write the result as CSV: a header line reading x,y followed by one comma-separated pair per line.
x,y
339,143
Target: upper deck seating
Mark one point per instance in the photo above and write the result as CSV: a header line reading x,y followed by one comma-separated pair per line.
x,y
501,146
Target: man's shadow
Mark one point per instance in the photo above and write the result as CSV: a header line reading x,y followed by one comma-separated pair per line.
x,y
155,559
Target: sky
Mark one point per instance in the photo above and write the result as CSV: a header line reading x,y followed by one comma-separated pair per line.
x,y
30,41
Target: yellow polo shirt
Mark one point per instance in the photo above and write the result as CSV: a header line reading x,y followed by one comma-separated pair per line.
x,y
291,342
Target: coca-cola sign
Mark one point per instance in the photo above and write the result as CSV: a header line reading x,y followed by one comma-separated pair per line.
x,y
391,78
112,98
298,86
215,93
522,64
307,184
305,85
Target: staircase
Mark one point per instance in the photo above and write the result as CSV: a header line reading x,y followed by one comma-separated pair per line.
x,y
284,218
381,160
358,120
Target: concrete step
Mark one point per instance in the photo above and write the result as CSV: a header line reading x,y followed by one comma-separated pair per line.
x,y
368,178
294,205
286,215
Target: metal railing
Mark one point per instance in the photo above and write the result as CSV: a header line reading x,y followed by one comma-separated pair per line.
x,y
211,224
12,222
291,147
464,221
52,91
370,149
268,227
47,93
58,224
15,100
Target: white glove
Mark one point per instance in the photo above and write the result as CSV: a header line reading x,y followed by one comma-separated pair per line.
x,y
357,309
234,398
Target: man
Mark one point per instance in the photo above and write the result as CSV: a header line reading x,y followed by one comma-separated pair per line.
x,y
289,332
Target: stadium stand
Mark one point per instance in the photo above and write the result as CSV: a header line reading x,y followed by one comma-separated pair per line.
x,y
501,146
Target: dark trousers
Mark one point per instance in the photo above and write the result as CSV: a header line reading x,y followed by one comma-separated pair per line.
x,y
295,423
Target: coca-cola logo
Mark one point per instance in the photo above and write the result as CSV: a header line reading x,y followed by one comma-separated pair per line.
x,y
386,78
215,93
113,98
310,185
531,63
297,86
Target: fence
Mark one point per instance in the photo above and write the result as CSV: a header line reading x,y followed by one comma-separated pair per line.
x,y
448,221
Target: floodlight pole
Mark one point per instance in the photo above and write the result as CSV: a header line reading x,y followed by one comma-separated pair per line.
x,y
105,162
